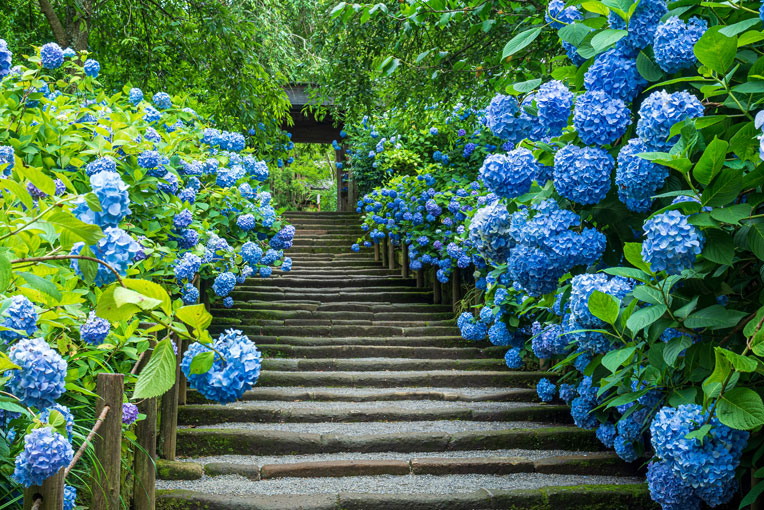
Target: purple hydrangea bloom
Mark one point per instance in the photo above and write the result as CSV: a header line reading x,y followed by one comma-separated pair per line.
x,y
129,413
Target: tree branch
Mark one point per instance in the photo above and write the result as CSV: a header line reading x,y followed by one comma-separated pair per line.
x,y
54,22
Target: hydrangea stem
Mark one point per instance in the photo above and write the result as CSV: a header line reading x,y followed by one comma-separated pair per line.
x,y
67,257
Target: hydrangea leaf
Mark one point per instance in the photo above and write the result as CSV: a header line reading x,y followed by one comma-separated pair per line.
x,y
520,41
643,317
633,253
714,317
606,38
711,161
124,296
719,247
740,408
152,290
158,375
716,50
604,306
195,316
614,359
712,385
202,362
41,284
724,188
108,308
739,27
5,272
739,362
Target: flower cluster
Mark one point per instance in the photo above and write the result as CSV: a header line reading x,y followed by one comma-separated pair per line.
x,y
21,316
674,43
582,174
45,453
40,379
95,330
671,243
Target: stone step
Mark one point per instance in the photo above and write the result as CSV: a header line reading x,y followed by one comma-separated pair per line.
x,y
323,296
345,306
311,272
442,342
245,310
324,394
411,410
381,327
517,491
347,241
422,378
340,352
295,328
377,364
295,283
413,436
318,249
501,462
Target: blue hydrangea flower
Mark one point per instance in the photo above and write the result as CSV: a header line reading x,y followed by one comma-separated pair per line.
x,y
668,489
95,330
616,75
549,342
567,392
100,165
6,58
169,183
557,15
226,381
499,334
501,117
45,453
149,159
92,68
488,232
129,413
671,243
641,27
136,96
19,315
636,178
674,43
228,302
51,56
65,413
224,284
286,264
190,294
246,222
40,381
581,288
7,158
606,434
470,328
582,174
660,111
113,196
283,239
116,248
183,219
151,114
251,253
600,119
509,175
554,102
624,448
70,497
513,359
227,177
162,100
187,266
546,390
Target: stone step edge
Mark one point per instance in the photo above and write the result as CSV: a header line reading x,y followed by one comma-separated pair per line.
x,y
604,463
216,441
212,415
578,497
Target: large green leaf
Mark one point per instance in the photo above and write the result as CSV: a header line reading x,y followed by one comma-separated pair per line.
x,y
714,317
158,375
41,284
61,220
614,359
712,385
674,348
520,41
202,362
724,189
711,161
195,316
719,247
643,317
604,306
716,50
740,408
633,253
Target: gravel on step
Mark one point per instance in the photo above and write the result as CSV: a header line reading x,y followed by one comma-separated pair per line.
x,y
400,405
257,460
365,392
385,484
402,427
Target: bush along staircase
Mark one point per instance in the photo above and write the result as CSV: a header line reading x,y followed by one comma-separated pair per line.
x,y
370,399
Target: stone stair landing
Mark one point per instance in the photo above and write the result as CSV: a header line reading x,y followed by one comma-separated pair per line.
x,y
369,399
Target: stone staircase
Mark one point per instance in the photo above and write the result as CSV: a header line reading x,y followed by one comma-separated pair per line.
x,y
369,399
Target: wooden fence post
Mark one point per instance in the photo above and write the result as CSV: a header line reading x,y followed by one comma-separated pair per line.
x,y
383,249
456,289
437,292
145,474
391,255
182,383
419,279
376,252
168,423
51,491
108,443
404,261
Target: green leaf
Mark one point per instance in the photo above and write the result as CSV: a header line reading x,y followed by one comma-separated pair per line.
x,y
716,50
202,362
648,295
724,188
753,495
714,317
123,296
731,214
719,247
574,33
740,408
643,317
152,290
614,359
711,161
744,143
520,41
41,284
38,178
739,27
633,253
712,385
18,191
604,306
699,434
89,234
604,39
107,307
687,309
526,86
648,69
674,348
5,272
738,361
756,239
195,316
628,272
158,375
6,363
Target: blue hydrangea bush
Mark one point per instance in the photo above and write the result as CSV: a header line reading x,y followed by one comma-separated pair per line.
x,y
610,217
120,209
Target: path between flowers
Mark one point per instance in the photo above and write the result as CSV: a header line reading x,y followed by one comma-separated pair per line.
x,y
369,399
